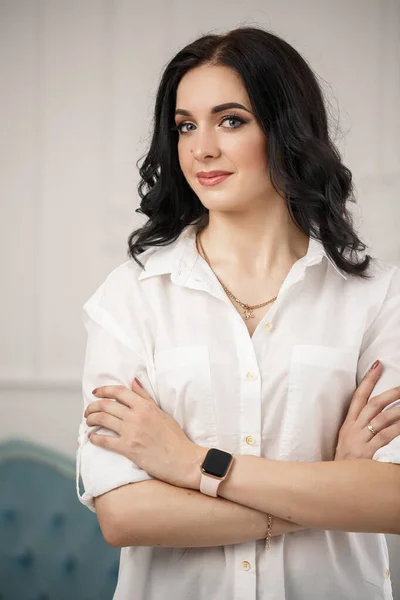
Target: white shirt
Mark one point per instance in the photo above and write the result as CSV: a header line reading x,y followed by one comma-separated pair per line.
x,y
280,394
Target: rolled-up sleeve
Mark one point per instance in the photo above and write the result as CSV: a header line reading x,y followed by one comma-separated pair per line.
x,y
110,359
382,341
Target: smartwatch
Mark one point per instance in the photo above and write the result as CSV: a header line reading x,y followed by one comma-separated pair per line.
x,y
214,469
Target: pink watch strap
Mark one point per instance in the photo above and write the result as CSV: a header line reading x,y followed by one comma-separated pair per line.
x,y
209,485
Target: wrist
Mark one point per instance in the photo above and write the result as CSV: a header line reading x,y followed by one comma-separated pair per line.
x,y
197,457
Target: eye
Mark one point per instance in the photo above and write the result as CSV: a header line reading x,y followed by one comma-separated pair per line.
x,y
227,118
179,127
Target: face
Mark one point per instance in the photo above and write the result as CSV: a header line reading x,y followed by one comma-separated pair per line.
x,y
227,140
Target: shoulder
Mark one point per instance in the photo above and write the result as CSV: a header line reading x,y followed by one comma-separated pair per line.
x,y
126,274
118,289
384,278
379,294
116,306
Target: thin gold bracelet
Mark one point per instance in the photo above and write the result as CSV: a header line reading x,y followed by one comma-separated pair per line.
x,y
269,531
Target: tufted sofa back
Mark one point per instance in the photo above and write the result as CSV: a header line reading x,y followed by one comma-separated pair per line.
x,y
51,547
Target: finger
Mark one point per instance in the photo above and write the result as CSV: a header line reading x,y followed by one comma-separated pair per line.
x,y
112,407
384,437
140,391
377,404
110,442
386,418
381,421
103,419
117,392
364,390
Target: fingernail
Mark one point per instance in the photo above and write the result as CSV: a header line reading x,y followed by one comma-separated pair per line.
x,y
138,382
95,390
376,363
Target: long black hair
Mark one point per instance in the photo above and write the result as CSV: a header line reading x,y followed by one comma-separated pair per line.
x,y
305,167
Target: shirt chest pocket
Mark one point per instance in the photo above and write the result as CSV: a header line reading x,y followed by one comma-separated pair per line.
x,y
322,380
185,391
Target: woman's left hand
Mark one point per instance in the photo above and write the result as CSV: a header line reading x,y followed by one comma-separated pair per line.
x,y
147,436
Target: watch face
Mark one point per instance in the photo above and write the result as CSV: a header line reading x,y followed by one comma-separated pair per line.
x,y
216,462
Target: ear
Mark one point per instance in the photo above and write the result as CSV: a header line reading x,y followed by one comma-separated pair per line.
x,y
140,391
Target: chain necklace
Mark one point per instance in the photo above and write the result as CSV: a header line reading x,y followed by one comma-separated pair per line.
x,y
248,310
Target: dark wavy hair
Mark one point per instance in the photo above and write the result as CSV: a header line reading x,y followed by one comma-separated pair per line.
x,y
305,167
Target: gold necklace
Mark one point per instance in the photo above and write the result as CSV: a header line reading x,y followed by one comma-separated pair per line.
x,y
248,310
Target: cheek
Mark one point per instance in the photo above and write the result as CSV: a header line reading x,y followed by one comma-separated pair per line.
x,y
184,158
253,156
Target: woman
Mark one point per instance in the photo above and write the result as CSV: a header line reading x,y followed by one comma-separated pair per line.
x,y
249,315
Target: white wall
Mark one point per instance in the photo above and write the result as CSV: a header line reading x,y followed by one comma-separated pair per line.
x,y
78,79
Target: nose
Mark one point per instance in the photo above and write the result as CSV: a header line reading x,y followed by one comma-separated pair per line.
x,y
204,144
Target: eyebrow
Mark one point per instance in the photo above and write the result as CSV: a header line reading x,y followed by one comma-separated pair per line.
x,y
214,110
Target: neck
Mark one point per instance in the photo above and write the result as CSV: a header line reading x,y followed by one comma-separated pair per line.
x,y
253,246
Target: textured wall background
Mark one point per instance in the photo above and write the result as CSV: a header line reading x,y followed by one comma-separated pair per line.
x,y
78,79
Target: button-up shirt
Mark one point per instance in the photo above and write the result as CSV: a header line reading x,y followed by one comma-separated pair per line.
x,y
281,393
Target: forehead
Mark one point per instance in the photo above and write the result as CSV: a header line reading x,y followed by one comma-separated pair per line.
x,y
206,86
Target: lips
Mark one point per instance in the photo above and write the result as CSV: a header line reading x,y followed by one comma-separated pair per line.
x,y
210,174
208,181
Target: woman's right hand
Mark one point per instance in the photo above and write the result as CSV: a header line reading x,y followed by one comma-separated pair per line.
x,y
355,440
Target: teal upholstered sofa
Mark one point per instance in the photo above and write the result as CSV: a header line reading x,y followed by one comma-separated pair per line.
x,y
51,547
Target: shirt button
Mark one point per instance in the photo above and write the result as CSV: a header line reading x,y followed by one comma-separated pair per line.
x,y
387,573
246,565
250,440
268,325
250,375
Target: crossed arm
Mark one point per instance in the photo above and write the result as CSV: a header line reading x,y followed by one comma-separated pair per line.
x,y
356,494
155,513
353,495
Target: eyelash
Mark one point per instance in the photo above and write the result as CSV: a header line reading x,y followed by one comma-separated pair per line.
x,y
226,118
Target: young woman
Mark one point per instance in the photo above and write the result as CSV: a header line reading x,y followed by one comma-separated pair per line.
x,y
249,313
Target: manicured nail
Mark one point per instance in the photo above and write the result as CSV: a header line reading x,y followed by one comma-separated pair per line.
x,y
376,363
138,382
95,390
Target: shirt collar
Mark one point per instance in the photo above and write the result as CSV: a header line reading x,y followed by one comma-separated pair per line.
x,y
179,257
316,252
159,260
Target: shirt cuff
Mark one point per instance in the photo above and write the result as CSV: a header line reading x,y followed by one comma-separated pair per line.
x,y
103,471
